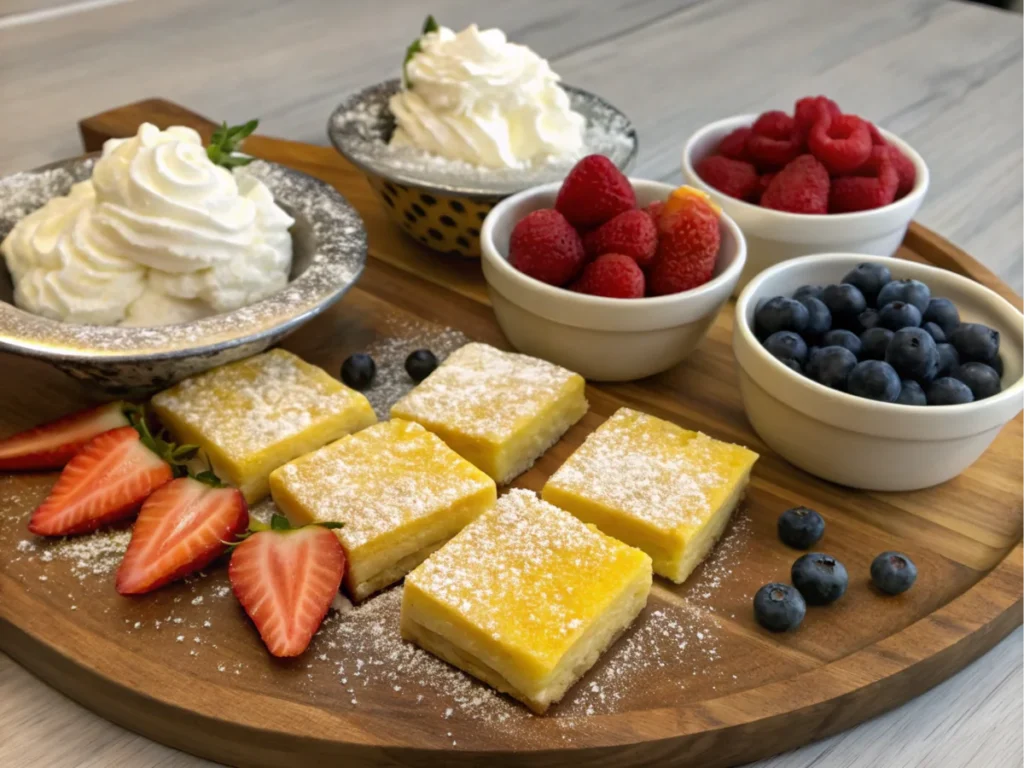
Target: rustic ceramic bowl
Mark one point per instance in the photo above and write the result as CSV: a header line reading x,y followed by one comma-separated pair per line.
x,y
865,443
329,253
774,236
442,204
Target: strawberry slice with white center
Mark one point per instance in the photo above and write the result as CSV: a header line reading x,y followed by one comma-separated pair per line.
x,y
53,445
181,528
286,579
105,482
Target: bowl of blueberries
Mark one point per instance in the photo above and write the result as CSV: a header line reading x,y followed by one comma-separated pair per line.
x,y
876,372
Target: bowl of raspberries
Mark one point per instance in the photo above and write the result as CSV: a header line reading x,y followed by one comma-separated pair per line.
x,y
611,277
876,372
815,181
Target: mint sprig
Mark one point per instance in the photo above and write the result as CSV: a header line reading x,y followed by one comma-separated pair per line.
x,y
225,143
429,25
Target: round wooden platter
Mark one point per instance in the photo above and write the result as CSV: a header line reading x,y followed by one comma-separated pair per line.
x,y
694,682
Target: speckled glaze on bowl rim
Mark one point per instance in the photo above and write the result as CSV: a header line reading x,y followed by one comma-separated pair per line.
x,y
327,222
361,126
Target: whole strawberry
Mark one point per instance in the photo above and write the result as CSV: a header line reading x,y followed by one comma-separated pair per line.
x,y
800,187
631,233
594,191
545,246
689,239
614,275
730,177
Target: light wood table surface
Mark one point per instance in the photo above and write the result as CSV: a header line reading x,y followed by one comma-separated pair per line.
x,y
946,76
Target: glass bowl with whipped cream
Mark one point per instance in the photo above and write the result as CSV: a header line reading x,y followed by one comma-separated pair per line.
x,y
473,119
151,262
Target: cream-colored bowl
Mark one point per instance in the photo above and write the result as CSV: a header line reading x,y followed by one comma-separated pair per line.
x,y
864,443
774,236
600,338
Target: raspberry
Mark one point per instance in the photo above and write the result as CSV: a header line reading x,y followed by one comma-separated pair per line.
x,y
774,141
544,245
614,275
688,243
905,169
862,193
735,144
775,125
631,233
841,143
807,110
800,187
877,139
593,192
731,177
762,184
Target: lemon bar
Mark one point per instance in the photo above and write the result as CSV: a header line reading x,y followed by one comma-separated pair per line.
x,y
526,598
252,416
399,490
656,486
499,410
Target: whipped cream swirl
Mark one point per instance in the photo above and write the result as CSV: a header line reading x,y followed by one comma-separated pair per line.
x,y
158,235
477,98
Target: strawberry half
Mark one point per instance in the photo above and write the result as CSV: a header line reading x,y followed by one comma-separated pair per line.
x,y
182,527
52,445
286,579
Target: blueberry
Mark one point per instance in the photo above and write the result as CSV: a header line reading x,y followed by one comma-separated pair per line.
x,y
911,393
867,319
779,607
842,338
819,319
913,354
893,572
982,379
949,391
898,314
358,371
997,365
420,364
875,380
781,314
975,342
935,331
820,578
800,527
845,302
908,291
873,343
808,292
943,313
791,363
831,366
869,278
786,345
948,359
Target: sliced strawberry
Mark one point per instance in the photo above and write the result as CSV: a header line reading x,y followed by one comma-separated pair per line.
x,y
181,528
286,579
52,445
106,481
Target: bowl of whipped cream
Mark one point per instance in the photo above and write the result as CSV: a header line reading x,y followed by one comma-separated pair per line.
x,y
148,263
473,119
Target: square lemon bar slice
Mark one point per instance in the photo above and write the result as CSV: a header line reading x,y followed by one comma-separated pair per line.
x,y
252,416
656,486
526,598
399,490
499,410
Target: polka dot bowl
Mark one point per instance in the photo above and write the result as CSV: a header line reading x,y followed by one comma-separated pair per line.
x,y
442,204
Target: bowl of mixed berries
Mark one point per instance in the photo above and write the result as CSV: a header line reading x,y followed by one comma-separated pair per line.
x,y
815,181
614,278
876,372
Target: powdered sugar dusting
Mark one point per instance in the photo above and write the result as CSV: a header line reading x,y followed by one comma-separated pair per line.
x,y
95,554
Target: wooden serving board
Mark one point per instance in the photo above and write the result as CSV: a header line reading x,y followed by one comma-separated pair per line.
x,y
695,682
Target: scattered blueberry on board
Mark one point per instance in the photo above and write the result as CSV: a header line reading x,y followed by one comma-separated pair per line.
x,y
420,364
358,371
801,527
919,351
820,578
779,607
893,572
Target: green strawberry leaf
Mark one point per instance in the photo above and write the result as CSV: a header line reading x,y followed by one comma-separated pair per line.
x,y
226,142
429,25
